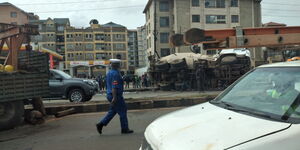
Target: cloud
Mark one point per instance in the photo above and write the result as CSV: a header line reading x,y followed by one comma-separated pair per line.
x,y
282,12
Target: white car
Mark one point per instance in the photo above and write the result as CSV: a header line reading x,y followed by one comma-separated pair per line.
x,y
260,111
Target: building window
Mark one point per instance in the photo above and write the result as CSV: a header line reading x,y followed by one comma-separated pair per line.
x,y
88,36
164,52
234,18
13,14
60,28
215,19
50,25
214,3
120,46
14,23
164,6
234,3
195,3
70,47
164,21
89,46
89,56
195,18
69,35
101,56
164,37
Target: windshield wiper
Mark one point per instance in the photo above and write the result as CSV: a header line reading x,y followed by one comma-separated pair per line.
x,y
232,108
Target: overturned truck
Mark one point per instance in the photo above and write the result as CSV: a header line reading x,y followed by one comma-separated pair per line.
x,y
189,71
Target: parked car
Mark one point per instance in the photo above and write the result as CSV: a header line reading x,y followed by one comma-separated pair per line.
x,y
64,86
260,111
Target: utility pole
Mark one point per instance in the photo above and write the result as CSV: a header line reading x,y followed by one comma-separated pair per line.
x,y
155,32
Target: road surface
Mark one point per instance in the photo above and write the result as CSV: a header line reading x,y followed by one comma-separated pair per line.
x,y
78,132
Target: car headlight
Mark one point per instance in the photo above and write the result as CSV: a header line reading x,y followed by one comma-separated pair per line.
x,y
88,82
146,145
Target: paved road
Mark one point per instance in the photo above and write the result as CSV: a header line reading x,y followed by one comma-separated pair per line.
x,y
78,132
147,94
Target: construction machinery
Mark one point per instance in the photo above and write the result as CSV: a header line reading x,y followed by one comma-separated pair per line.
x,y
28,78
219,71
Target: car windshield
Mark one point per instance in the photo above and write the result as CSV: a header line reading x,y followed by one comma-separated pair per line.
x,y
63,74
269,91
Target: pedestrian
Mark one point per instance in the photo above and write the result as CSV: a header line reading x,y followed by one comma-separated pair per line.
x,y
115,85
139,82
145,80
127,81
99,80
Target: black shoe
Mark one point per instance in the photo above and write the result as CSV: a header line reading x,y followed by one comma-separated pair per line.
x,y
99,127
126,131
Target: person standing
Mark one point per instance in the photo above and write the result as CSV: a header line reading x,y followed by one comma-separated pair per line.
x,y
145,80
115,87
138,82
99,80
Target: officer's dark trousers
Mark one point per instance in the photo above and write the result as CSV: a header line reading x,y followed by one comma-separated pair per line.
x,y
119,108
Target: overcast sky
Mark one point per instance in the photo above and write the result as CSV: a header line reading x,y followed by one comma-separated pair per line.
x,y
129,12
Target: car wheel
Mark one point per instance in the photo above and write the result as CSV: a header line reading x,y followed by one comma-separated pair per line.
x,y
11,114
76,95
88,98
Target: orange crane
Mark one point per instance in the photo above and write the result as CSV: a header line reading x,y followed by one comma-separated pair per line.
x,y
238,37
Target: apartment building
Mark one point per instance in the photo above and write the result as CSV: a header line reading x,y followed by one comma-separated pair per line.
x,y
88,49
11,14
166,17
133,56
142,46
52,36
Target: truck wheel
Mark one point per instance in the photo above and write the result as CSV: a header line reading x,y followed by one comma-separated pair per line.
x,y
178,64
162,66
76,95
11,114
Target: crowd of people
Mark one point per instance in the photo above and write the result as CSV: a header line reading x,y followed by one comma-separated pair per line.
x,y
130,81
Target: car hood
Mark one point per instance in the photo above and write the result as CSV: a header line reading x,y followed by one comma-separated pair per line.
x,y
206,127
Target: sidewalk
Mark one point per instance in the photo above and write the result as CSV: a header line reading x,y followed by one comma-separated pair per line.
x,y
134,100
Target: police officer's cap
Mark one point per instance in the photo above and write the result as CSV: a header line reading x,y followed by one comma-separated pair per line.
x,y
115,61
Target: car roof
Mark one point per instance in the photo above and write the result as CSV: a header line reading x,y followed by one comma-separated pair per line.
x,y
282,64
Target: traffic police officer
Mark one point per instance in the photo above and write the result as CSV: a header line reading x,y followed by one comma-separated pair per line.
x,y
114,83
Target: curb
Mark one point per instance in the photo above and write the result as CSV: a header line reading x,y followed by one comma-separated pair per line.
x,y
131,105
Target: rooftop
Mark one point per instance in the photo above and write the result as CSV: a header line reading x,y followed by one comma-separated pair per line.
x,y
62,21
147,5
9,4
112,24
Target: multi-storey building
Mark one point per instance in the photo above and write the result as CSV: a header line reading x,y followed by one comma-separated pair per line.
x,y
88,49
166,17
11,14
142,46
133,56
52,35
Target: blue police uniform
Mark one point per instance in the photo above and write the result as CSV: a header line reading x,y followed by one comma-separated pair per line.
x,y
114,80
